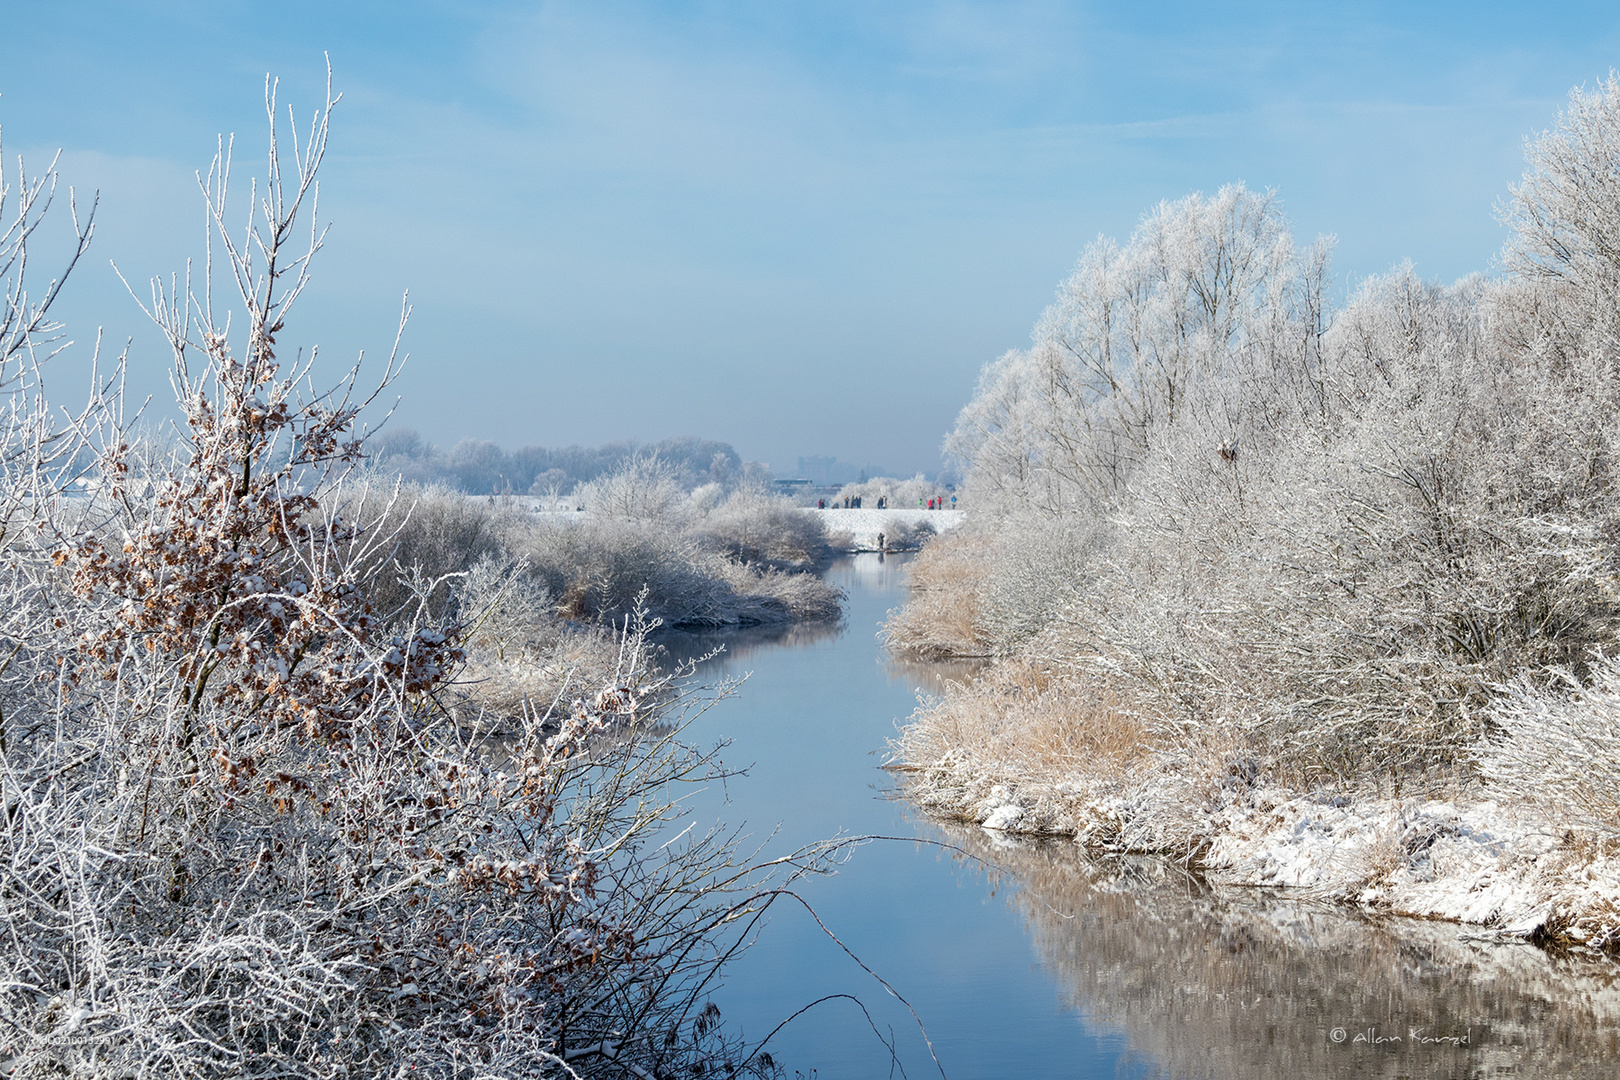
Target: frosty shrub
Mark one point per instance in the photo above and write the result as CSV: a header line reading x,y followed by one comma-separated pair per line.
x,y
597,567
249,830
1036,570
1559,748
644,489
904,535
702,558
433,534
1335,533
764,530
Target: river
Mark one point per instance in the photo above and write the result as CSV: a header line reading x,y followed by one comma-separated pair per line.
x,y
1029,960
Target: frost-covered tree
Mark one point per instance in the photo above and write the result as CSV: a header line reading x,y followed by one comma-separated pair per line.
x,y
1205,283
479,466
644,489
1339,531
1565,222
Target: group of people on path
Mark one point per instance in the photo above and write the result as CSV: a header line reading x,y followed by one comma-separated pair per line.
x,y
853,502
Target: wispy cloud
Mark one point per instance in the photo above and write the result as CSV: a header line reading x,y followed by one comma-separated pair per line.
x,y
802,226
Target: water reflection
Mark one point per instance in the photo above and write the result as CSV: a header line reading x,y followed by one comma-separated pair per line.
x,y
1248,984
1139,970
868,573
739,643
932,677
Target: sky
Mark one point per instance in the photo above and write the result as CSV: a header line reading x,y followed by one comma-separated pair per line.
x,y
799,227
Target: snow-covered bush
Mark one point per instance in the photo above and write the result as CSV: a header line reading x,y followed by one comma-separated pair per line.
x,y
644,489
431,534
764,530
698,560
1559,748
1337,532
598,567
908,535
246,834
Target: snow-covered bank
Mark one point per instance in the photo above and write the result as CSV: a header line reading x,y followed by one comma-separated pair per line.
x,y
1470,860
860,529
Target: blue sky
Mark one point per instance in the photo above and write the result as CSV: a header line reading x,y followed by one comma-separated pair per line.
x,y
799,227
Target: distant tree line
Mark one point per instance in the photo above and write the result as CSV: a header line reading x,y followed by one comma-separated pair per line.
x,y
480,467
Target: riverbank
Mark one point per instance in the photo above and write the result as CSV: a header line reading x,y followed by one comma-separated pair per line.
x,y
1460,856
1043,959
1307,593
1508,826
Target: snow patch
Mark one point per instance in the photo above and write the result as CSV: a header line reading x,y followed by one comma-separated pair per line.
x,y
1004,817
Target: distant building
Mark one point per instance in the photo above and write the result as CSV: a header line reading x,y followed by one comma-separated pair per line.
x,y
829,471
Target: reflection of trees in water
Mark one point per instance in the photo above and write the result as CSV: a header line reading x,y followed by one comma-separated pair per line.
x,y
932,676
1245,984
875,571
680,646
740,643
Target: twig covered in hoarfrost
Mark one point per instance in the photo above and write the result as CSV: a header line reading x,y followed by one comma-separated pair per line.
x,y
1559,748
246,831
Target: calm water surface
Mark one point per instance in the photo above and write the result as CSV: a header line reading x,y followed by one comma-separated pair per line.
x,y
1026,960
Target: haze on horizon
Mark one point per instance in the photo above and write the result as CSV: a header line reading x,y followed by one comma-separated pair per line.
x,y
798,228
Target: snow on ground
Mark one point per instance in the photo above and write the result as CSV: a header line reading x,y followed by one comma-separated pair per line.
x,y
1475,862
1470,860
863,526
